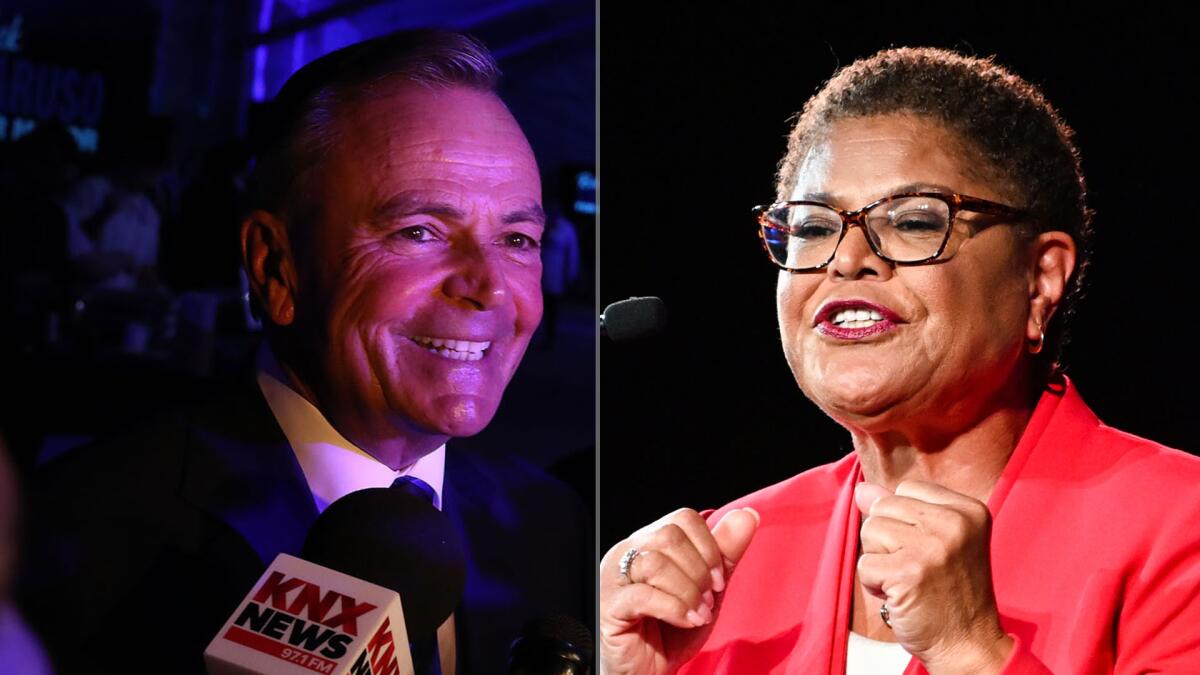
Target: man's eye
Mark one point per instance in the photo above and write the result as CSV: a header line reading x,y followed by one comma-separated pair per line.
x,y
521,241
414,233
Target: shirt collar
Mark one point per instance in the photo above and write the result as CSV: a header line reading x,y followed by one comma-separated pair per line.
x,y
332,465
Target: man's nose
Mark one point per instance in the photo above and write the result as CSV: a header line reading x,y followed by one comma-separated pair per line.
x,y
477,280
855,259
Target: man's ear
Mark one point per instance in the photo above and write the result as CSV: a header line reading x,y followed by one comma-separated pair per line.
x,y
1051,263
270,267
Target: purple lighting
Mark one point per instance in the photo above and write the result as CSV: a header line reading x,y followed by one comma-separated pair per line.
x,y
259,88
298,40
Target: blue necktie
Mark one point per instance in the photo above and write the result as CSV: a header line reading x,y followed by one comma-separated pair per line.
x,y
417,488
424,651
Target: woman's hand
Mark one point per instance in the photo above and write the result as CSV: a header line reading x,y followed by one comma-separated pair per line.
x,y
659,621
925,554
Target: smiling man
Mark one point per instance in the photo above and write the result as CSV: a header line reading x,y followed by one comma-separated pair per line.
x,y
393,253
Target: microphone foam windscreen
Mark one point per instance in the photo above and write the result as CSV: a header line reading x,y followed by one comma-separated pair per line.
x,y
635,318
396,540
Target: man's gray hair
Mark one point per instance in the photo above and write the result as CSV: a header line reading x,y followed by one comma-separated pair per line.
x,y
302,123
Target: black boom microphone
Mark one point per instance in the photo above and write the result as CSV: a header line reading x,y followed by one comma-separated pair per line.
x,y
634,319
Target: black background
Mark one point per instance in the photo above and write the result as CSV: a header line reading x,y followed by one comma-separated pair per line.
x,y
693,118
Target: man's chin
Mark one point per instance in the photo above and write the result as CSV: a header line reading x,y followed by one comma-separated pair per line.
x,y
460,416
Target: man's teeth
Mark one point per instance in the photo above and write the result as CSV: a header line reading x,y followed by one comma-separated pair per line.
x,y
856,318
460,350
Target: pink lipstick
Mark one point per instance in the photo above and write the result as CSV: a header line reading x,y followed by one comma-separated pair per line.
x,y
854,319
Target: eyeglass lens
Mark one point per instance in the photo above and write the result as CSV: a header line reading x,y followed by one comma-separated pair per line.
x,y
908,229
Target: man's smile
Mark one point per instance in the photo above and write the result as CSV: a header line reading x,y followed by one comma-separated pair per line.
x,y
451,348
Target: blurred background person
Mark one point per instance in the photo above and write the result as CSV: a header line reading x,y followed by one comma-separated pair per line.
x,y
20,649
560,269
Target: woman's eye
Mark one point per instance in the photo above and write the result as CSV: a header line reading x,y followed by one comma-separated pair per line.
x,y
919,225
814,229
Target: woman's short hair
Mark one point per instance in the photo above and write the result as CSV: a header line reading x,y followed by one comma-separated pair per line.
x,y
1001,117
303,119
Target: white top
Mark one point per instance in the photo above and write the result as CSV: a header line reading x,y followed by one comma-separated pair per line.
x,y
333,466
865,656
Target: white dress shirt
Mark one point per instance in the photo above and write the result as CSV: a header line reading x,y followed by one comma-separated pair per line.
x,y
333,466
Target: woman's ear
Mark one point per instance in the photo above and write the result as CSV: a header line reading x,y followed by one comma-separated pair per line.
x,y
1051,263
270,266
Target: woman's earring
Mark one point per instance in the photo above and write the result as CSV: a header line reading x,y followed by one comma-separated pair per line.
x,y
1036,347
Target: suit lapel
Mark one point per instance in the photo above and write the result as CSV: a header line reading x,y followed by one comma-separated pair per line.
x,y
240,469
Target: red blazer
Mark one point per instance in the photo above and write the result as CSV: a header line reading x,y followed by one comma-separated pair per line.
x,y
1095,559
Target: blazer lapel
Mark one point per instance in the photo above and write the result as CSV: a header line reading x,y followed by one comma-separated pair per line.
x,y
834,582
240,469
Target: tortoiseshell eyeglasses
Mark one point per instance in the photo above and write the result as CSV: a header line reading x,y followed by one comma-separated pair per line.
x,y
905,229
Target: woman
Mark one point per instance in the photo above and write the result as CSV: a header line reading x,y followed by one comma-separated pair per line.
x,y
930,230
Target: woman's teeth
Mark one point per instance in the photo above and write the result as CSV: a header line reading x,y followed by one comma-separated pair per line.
x,y
459,350
856,318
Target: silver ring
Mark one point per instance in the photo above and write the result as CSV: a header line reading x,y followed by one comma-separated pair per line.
x,y
885,615
626,562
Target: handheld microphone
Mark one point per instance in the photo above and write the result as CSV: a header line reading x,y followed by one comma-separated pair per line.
x,y
399,541
634,319
382,569
304,618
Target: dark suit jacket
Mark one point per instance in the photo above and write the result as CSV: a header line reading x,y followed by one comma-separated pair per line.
x,y
141,547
